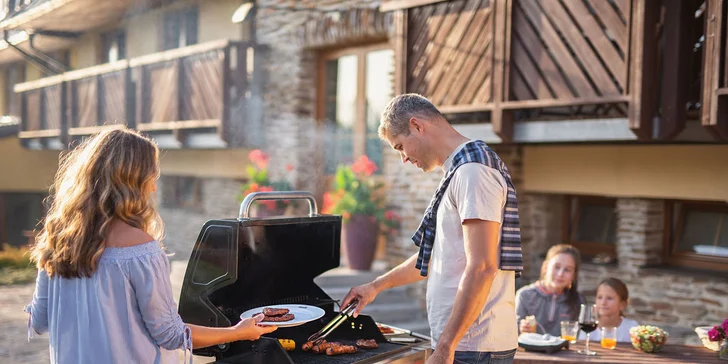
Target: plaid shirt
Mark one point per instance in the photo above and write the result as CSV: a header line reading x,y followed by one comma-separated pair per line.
x,y
511,256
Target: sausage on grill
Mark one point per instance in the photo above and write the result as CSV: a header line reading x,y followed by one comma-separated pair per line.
x,y
322,347
283,318
268,311
308,345
367,344
341,349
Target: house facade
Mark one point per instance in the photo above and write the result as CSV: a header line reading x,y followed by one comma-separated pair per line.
x,y
181,71
607,113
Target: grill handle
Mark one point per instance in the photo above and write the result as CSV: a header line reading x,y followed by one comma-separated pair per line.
x,y
277,195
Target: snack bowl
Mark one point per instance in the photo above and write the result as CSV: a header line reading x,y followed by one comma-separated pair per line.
x,y
648,338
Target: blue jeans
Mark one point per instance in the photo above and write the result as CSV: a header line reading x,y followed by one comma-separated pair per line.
x,y
476,357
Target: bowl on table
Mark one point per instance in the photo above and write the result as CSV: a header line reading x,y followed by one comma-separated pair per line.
x,y
648,338
702,332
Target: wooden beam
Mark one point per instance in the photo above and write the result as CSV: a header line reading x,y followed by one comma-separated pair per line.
x,y
178,53
400,46
643,67
88,130
392,5
174,125
49,133
676,56
502,120
546,103
711,119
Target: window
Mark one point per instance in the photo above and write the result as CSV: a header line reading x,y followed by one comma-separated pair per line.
x,y
590,225
19,215
180,28
356,84
14,74
113,46
697,234
184,192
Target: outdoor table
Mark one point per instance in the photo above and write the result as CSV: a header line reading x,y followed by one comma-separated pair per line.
x,y
624,353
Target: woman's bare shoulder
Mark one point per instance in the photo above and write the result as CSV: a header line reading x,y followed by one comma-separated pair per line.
x,y
123,235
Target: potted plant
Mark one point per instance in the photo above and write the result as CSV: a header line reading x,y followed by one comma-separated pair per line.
x,y
260,182
359,199
720,334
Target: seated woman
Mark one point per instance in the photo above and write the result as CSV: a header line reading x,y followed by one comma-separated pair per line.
x,y
612,296
103,290
542,305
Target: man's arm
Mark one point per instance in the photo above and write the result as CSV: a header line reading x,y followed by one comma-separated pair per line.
x,y
481,251
400,275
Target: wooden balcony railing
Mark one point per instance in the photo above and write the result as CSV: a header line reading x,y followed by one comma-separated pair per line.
x,y
178,92
573,58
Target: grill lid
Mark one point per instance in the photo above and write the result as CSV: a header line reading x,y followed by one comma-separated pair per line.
x,y
242,263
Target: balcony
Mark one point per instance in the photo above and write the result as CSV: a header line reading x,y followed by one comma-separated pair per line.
x,y
201,96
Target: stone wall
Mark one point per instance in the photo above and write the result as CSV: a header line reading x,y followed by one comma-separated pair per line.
x,y
670,298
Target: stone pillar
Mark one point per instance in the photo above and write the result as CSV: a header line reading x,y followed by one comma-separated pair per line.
x,y
640,233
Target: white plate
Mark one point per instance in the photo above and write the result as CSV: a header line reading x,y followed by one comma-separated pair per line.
x,y
396,330
302,313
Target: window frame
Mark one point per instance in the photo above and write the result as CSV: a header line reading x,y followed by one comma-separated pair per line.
x,y
107,39
586,248
360,123
674,227
182,17
173,198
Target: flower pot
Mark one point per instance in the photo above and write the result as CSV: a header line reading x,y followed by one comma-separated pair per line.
x,y
723,350
360,240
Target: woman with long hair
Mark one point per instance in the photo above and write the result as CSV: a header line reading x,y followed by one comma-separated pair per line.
x,y
103,291
555,297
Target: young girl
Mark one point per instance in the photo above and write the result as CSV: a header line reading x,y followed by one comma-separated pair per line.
x,y
612,296
103,290
555,296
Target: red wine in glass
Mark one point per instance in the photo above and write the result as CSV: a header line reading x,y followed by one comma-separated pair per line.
x,y
588,326
588,322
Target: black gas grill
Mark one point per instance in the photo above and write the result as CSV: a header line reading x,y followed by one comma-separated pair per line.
x,y
244,263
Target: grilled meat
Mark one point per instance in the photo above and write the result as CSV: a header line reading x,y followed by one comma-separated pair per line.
x,y
341,349
322,347
283,318
367,344
268,311
308,345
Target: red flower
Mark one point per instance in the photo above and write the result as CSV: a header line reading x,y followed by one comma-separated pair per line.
x,y
364,166
391,215
259,158
289,167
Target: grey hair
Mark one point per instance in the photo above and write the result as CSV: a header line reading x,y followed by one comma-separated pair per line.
x,y
396,116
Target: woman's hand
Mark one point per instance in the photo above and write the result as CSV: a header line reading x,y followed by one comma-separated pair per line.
x,y
525,327
248,328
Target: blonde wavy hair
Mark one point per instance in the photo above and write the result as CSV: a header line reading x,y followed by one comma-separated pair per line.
x,y
107,177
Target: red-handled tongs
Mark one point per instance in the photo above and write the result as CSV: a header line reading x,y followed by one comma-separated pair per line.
x,y
333,324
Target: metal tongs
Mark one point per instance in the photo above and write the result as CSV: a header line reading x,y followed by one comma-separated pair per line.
x,y
334,323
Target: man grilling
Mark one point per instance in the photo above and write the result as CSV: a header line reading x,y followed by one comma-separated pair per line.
x,y
469,238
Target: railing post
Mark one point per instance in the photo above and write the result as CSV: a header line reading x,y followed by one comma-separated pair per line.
x,y
643,67
502,120
676,56
715,122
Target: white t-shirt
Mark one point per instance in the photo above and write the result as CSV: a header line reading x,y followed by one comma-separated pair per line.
x,y
476,191
622,332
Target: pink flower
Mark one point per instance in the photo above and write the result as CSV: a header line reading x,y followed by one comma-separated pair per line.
x,y
725,327
364,166
714,334
258,157
289,167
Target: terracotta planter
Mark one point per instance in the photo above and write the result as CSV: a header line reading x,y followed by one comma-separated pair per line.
x,y
360,239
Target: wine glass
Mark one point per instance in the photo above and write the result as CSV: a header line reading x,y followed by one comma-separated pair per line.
x,y
588,322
